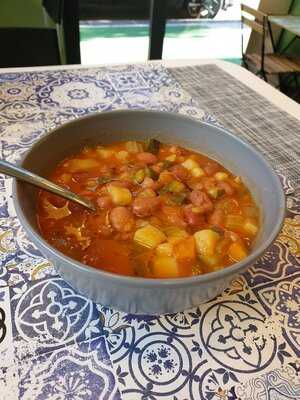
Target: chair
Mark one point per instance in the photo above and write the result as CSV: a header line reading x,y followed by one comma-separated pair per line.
x,y
266,63
49,45
158,17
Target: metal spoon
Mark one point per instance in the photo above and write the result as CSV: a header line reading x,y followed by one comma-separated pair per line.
x,y
36,180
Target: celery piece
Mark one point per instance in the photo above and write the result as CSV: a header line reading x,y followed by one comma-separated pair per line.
x,y
149,236
139,176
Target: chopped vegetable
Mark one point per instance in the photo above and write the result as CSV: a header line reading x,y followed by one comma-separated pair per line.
x,y
155,221
250,211
71,230
211,261
151,173
233,222
153,146
250,227
197,172
133,147
215,192
166,164
175,234
171,158
78,164
175,187
139,176
104,179
122,155
120,196
147,193
55,212
141,222
165,177
104,152
237,251
178,198
185,251
164,249
149,236
206,241
91,184
165,267
221,176
190,164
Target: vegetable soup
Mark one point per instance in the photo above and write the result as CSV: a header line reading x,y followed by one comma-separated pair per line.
x,y
162,211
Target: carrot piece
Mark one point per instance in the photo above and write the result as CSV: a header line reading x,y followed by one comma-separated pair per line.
x,y
237,251
185,250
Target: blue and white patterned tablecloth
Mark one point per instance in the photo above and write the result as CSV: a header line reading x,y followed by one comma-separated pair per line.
x,y
55,344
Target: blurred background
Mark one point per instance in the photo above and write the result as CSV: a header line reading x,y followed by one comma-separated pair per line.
x,y
50,32
119,30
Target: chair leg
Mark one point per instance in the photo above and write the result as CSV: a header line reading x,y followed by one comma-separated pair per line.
x,y
262,74
245,64
265,76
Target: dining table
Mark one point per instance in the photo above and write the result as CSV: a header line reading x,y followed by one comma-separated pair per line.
x,y
56,344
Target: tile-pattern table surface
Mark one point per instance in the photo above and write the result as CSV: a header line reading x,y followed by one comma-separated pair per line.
x,y
56,344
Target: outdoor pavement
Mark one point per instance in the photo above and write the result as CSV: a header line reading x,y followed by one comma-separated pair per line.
x,y
127,41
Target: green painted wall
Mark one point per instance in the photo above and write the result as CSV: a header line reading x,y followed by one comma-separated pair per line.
x,y
22,13
287,36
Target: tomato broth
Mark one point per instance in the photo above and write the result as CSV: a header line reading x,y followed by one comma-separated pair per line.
x,y
162,211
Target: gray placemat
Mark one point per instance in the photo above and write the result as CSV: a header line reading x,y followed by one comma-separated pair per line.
x,y
272,131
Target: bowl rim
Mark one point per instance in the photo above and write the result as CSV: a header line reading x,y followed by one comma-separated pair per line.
x,y
131,281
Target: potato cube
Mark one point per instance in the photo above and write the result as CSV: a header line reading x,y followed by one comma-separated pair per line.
x,y
164,249
206,241
221,176
77,164
165,267
171,158
120,196
190,164
210,261
185,251
103,152
122,155
237,251
250,227
134,147
197,172
149,236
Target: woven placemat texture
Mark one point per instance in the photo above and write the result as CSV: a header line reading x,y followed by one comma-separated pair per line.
x,y
247,114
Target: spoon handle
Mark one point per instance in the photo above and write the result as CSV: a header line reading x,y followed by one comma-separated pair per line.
x,y
36,180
